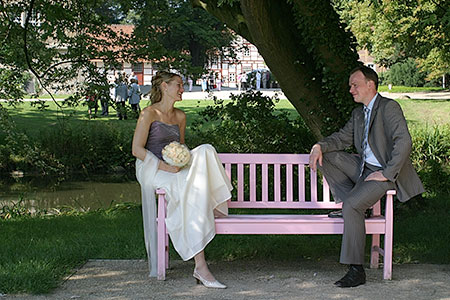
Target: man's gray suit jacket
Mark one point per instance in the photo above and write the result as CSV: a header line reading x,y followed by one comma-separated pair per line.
x,y
389,140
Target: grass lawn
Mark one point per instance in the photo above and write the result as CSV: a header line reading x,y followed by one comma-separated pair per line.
x,y
408,89
425,112
32,120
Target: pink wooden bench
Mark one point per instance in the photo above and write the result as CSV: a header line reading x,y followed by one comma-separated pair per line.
x,y
286,176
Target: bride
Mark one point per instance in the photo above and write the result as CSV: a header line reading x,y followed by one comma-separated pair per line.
x,y
194,193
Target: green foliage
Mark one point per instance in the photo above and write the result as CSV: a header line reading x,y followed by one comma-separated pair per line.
x,y
65,148
249,124
15,210
19,152
431,157
90,148
404,73
12,83
332,51
395,30
55,41
185,36
60,43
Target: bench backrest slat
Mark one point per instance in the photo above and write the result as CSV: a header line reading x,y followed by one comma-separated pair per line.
x,y
326,188
301,185
240,172
276,181
253,182
313,178
289,186
265,183
260,187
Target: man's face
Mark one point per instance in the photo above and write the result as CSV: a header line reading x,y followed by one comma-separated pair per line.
x,y
361,89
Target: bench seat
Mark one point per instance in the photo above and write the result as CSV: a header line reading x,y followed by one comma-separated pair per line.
x,y
290,224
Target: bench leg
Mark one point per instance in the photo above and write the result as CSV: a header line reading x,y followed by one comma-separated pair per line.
x,y
374,251
161,238
388,237
167,251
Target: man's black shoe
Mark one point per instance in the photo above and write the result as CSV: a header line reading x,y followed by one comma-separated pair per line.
x,y
335,214
353,278
338,213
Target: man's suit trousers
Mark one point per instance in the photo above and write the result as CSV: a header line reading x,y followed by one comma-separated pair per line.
x,y
342,172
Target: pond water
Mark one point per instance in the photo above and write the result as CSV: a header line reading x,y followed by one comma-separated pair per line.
x,y
78,192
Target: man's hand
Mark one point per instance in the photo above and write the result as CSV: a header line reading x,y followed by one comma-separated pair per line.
x,y
314,156
376,176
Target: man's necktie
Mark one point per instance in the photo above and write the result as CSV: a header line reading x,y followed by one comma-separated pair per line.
x,y
365,137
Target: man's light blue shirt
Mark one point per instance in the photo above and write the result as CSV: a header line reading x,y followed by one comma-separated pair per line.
x,y
370,157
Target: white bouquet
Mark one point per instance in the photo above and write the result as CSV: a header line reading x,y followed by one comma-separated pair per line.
x,y
176,154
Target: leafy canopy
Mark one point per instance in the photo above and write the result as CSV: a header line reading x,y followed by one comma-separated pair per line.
x,y
396,30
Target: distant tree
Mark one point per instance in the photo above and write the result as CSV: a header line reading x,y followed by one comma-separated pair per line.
x,y
56,42
175,35
406,73
395,30
59,41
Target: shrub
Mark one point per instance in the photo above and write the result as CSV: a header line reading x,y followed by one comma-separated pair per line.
x,y
404,73
19,152
430,156
62,148
248,123
94,147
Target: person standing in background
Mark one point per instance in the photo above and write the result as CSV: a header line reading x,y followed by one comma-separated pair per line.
x,y
190,82
264,79
219,81
258,80
134,94
121,96
244,81
204,83
239,81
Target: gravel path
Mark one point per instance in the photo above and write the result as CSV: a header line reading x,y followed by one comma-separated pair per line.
x,y
127,279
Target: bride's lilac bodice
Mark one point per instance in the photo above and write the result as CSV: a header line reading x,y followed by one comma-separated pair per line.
x,y
160,135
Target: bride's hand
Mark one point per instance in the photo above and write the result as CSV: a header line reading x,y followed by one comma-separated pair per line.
x,y
168,168
174,169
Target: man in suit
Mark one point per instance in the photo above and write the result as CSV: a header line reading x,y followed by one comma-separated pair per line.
x,y
380,135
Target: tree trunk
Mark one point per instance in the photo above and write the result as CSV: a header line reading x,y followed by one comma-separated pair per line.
x,y
306,48
197,53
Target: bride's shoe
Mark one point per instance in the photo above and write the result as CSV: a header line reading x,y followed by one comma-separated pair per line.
x,y
209,284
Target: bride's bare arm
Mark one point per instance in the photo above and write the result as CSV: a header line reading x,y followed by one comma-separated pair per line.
x,y
182,124
141,134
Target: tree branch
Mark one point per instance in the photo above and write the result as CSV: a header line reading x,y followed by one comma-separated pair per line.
x,y
27,56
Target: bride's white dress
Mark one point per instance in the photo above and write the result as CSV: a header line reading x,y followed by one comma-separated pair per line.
x,y
192,194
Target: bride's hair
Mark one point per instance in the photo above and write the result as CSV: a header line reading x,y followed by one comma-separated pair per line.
x,y
160,77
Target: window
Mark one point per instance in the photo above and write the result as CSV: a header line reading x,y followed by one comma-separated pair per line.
x,y
138,68
214,61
